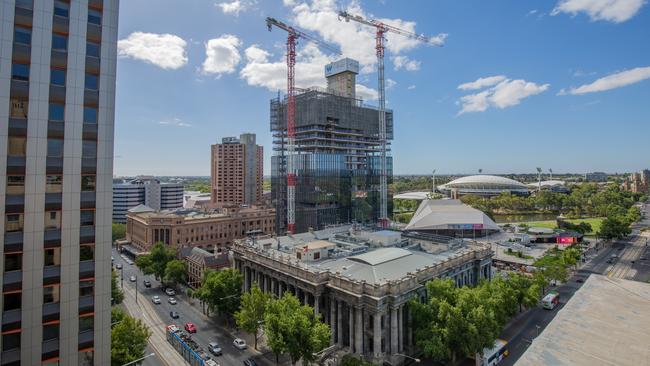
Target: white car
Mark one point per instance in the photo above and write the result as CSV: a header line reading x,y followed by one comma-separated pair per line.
x,y
239,343
132,279
172,301
211,363
170,292
156,300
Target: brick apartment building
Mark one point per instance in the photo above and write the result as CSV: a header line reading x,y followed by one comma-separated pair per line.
x,y
237,171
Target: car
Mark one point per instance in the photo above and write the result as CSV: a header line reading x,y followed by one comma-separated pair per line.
x,y
128,261
190,327
132,279
239,343
250,362
211,363
112,259
156,300
170,292
215,348
118,266
633,262
580,280
172,301
147,283
173,328
174,314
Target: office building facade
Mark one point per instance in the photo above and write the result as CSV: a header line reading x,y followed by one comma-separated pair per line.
x,y
145,190
237,171
57,95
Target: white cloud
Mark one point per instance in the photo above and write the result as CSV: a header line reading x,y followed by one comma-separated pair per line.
x,y
163,50
612,81
366,93
506,93
222,55
390,83
233,7
403,62
176,122
411,87
616,11
532,12
255,53
482,82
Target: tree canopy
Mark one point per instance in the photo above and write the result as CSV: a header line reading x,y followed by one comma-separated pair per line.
x,y
221,291
128,338
250,316
175,272
155,262
116,292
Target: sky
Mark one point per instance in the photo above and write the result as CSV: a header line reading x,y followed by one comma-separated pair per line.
x,y
503,86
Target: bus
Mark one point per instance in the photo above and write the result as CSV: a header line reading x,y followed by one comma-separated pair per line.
x,y
492,356
551,300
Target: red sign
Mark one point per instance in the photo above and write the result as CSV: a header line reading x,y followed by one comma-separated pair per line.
x,y
566,240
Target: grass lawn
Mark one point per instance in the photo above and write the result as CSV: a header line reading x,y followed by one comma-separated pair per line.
x,y
551,224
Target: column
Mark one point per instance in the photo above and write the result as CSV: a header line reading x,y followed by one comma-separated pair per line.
x,y
273,286
400,329
409,329
333,319
247,279
317,304
358,334
393,331
339,322
376,331
351,328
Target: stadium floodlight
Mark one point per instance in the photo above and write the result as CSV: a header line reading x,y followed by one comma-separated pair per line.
x,y
433,179
480,171
551,171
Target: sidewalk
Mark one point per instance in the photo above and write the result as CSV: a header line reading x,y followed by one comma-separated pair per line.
x,y
144,311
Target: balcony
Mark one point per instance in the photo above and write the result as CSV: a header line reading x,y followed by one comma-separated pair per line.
x,y
91,98
50,349
55,129
60,24
90,131
17,127
21,53
86,234
86,304
19,89
13,242
87,200
14,203
96,4
53,201
88,165
94,33
87,269
54,165
23,16
92,65
16,165
57,94
12,281
11,319
51,311
51,275
52,238
10,356
59,59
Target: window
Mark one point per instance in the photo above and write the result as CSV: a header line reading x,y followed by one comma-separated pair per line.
x,y
92,81
89,149
23,35
59,42
52,257
13,262
90,115
51,294
15,184
88,183
86,288
86,323
53,184
17,146
61,8
87,253
55,148
52,220
11,301
18,108
57,77
13,223
20,71
50,331
87,217
92,49
56,112
10,341
94,17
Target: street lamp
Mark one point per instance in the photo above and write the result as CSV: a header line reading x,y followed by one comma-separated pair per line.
x,y
139,359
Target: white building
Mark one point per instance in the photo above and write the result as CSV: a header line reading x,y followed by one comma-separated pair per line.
x,y
145,190
57,102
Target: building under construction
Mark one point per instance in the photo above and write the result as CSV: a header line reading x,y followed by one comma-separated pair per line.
x,y
337,154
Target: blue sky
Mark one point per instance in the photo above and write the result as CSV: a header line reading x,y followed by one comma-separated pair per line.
x,y
561,84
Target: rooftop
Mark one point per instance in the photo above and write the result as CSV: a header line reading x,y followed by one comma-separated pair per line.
x,y
449,214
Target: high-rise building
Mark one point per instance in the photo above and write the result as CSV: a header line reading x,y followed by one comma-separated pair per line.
x,y
237,171
57,96
145,190
338,152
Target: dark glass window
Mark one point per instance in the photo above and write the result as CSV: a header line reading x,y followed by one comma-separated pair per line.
x,y
86,323
55,148
52,257
94,17
61,9
86,253
15,184
92,81
22,35
20,72
87,218
56,112
13,262
86,288
89,149
92,49
51,294
50,331
88,183
90,115
12,301
57,77
59,42
10,341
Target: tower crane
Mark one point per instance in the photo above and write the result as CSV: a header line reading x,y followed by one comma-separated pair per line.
x,y
293,35
381,29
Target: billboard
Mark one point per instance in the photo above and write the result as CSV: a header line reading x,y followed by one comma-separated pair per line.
x,y
346,64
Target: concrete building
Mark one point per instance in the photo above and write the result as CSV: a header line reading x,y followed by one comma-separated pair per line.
x,y
57,96
209,230
237,171
145,190
360,281
596,177
199,260
337,154
638,182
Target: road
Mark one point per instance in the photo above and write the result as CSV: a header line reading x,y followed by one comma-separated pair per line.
x,y
207,330
529,324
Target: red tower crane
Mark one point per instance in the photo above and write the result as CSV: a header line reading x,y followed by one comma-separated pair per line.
x,y
380,30
293,35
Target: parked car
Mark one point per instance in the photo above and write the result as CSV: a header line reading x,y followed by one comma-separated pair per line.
x,y
118,266
190,327
580,280
250,362
147,283
174,314
132,279
170,291
211,363
239,343
172,301
215,348
156,300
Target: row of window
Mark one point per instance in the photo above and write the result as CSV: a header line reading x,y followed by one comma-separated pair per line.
x,y
51,294
62,9
57,77
53,184
17,146
14,222
51,257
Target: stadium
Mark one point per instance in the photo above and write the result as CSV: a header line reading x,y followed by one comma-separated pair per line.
x,y
483,185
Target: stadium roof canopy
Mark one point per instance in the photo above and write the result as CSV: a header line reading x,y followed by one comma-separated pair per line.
x,y
448,214
412,196
547,183
485,185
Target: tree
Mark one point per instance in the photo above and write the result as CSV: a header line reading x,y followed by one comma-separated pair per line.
x,y
571,256
128,340
116,292
155,262
614,228
521,286
295,329
350,360
250,316
117,315
221,291
175,272
119,231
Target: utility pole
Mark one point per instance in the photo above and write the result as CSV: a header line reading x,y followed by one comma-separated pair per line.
x,y
539,179
433,178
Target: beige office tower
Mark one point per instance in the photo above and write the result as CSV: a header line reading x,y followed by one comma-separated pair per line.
x,y
57,96
237,171
341,77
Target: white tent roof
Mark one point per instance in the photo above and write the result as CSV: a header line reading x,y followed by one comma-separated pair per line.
x,y
440,214
412,196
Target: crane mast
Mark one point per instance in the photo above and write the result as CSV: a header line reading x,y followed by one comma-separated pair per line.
x,y
380,31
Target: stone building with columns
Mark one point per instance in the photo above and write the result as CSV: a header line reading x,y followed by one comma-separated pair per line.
x,y
360,281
